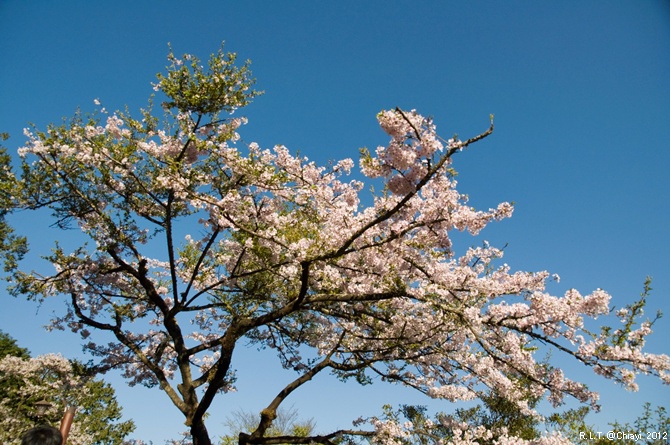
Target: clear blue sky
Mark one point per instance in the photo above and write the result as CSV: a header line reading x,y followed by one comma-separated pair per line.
x,y
580,91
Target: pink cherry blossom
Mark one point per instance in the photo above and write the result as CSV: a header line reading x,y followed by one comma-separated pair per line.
x,y
283,254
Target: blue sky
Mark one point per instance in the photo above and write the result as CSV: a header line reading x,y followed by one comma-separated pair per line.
x,y
579,90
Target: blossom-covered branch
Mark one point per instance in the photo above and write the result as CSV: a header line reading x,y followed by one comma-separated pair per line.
x,y
202,243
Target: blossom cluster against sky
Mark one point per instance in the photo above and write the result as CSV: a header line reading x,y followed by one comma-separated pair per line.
x,y
579,91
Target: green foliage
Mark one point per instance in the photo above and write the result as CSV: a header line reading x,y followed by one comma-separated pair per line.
x,y
224,87
8,346
12,247
652,427
103,413
98,412
647,422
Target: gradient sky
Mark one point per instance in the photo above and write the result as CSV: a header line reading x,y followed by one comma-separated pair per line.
x,y
580,93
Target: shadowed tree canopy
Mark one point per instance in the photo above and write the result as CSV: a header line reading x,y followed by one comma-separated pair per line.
x,y
8,346
196,243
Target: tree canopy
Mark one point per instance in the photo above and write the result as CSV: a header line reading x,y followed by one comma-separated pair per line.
x,y
24,381
9,346
196,243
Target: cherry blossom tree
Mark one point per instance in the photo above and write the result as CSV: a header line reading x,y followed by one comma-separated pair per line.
x,y
25,381
200,243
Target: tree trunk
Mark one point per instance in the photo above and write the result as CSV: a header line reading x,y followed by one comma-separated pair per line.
x,y
199,433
